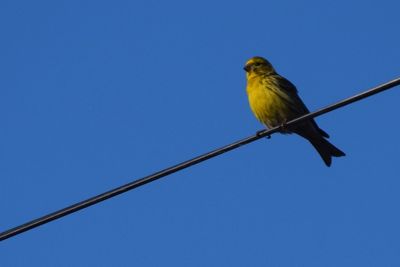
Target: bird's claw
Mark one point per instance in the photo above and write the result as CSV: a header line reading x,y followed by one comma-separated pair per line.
x,y
262,131
283,127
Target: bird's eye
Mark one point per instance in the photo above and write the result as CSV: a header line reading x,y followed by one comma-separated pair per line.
x,y
257,64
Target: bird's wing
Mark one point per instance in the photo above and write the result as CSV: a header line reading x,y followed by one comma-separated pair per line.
x,y
289,93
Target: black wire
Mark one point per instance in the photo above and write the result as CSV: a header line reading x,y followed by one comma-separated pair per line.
x,y
132,185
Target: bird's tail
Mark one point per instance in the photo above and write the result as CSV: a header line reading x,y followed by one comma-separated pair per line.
x,y
326,150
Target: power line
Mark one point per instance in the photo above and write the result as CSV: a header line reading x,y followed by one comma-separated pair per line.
x,y
155,176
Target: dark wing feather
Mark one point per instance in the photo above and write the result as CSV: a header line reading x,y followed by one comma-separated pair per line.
x,y
289,93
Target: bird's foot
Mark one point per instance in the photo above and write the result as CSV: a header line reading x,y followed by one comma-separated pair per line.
x,y
262,131
283,127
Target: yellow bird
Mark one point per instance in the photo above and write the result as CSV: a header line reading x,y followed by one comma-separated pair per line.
x,y
274,101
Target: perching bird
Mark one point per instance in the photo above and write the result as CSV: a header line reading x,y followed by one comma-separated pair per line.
x,y
274,101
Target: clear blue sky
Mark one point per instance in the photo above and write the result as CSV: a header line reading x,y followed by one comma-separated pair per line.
x,y
95,94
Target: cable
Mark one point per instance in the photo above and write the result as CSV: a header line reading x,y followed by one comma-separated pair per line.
x,y
155,176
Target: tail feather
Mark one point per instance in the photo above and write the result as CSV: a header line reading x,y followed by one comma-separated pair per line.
x,y
326,150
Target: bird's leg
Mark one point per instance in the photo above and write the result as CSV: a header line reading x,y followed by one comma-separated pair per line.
x,y
261,131
283,127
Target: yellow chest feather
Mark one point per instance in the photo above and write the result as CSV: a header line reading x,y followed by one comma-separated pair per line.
x,y
267,106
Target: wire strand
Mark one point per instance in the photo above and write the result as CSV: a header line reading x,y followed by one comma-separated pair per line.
x,y
155,176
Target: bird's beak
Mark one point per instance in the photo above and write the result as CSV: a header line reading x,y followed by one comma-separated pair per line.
x,y
247,68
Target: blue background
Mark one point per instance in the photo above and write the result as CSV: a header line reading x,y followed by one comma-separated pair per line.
x,y
95,94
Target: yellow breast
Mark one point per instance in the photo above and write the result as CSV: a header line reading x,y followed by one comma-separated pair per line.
x,y
267,106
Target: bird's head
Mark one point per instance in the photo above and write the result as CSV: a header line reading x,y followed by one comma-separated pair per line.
x,y
258,66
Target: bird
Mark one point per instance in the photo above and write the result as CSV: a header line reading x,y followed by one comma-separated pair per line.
x,y
274,100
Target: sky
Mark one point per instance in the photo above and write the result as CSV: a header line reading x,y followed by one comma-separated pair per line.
x,y
96,94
